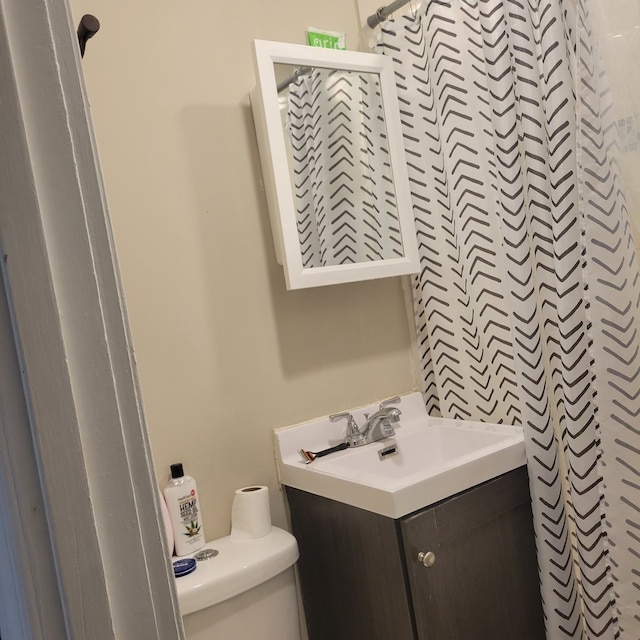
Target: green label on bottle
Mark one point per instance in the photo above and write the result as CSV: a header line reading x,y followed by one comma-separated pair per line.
x,y
188,506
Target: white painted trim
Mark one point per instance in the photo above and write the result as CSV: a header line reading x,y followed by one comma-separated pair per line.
x,y
30,607
273,159
85,413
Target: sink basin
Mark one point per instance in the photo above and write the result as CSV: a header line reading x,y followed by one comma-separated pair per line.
x,y
433,447
429,459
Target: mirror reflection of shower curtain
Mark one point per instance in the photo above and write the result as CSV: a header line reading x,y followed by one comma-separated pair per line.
x,y
345,201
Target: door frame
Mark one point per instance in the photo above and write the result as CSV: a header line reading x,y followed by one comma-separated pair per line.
x,y
113,577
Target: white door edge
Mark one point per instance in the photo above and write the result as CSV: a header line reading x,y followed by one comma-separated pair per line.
x,y
91,445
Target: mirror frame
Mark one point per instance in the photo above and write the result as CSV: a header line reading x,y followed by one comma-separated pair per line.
x,y
275,165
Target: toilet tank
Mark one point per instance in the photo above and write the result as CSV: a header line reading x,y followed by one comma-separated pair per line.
x,y
246,591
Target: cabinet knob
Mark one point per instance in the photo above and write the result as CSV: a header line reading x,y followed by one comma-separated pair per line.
x,y
428,559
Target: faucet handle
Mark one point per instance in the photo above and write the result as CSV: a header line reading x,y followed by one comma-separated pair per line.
x,y
353,434
352,427
393,412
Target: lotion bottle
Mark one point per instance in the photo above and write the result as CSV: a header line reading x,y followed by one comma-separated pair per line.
x,y
181,494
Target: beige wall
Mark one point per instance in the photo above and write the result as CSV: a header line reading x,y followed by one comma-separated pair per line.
x,y
225,353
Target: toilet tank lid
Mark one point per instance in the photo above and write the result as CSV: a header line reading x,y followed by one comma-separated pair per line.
x,y
239,566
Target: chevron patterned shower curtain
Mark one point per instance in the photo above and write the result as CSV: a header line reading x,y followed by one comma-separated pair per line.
x,y
528,301
345,203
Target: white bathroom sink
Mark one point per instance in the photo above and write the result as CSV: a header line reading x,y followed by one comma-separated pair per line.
x,y
435,458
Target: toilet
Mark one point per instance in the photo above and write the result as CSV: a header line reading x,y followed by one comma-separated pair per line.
x,y
245,590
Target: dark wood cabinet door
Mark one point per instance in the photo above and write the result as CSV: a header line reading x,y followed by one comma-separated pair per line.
x,y
351,571
483,584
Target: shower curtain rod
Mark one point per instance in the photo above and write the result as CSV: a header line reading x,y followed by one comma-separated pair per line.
x,y
384,12
301,71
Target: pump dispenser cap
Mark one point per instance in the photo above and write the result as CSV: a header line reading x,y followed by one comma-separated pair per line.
x,y
176,470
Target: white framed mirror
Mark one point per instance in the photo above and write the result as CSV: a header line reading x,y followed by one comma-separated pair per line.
x,y
330,143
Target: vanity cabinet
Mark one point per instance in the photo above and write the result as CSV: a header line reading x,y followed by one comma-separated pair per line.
x,y
462,569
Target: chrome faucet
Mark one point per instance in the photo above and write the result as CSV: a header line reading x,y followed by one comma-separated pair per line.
x,y
353,436
380,424
376,427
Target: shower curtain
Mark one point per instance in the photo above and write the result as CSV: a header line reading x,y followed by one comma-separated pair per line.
x,y
340,159
527,305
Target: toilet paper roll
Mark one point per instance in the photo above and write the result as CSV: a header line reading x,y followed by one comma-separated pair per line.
x,y
250,513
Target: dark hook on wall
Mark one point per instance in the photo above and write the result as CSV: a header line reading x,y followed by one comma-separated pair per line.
x,y
87,28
